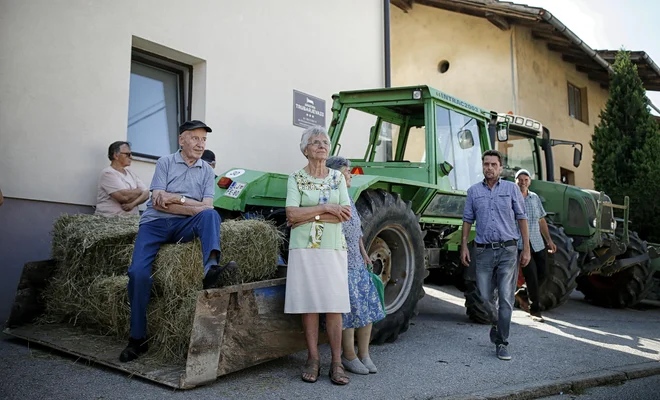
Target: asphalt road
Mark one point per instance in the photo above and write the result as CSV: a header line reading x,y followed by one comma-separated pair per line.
x,y
636,389
442,354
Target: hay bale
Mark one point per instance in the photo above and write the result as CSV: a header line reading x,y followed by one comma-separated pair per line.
x,y
90,289
170,326
94,245
254,244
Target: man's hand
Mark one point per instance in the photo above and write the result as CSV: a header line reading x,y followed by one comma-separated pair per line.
x,y
525,256
552,247
127,207
465,255
161,199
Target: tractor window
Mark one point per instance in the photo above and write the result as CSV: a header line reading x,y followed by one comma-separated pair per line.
x,y
355,136
519,153
459,144
415,151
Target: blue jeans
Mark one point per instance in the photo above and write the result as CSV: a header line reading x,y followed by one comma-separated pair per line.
x,y
498,268
151,235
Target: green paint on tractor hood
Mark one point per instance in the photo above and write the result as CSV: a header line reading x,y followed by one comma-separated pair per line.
x,y
268,189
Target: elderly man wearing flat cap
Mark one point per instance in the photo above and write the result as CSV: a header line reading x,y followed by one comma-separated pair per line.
x,y
180,209
536,271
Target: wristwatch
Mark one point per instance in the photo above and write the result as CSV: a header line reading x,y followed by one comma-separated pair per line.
x,y
317,218
183,199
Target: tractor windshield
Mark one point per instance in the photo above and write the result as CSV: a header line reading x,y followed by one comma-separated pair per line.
x,y
375,135
519,152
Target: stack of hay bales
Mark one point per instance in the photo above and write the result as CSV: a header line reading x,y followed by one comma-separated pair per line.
x,y
94,253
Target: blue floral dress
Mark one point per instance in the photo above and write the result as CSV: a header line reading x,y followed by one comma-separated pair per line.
x,y
365,304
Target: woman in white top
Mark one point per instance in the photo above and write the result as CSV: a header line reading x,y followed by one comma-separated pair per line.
x,y
120,191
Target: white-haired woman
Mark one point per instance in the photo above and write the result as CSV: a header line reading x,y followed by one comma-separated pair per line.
x,y
365,303
317,203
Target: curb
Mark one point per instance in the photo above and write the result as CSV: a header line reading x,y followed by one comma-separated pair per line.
x,y
556,386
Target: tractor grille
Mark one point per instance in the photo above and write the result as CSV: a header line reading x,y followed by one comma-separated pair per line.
x,y
606,215
575,214
591,209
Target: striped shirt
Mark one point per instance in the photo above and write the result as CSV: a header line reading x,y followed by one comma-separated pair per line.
x,y
535,212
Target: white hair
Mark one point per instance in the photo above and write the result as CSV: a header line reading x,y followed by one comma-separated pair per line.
x,y
308,133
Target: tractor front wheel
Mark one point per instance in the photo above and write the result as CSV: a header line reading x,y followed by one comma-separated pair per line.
x,y
622,289
563,271
393,239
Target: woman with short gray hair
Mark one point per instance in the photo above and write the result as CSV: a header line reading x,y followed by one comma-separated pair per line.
x,y
365,303
317,274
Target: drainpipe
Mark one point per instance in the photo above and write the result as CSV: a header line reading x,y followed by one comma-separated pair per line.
x,y
386,24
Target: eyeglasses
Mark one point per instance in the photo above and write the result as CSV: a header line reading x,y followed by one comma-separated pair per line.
x,y
129,154
319,143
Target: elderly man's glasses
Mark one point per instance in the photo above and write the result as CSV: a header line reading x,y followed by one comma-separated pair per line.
x,y
319,143
129,154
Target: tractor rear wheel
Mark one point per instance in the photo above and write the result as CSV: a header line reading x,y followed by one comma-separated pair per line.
x,y
393,239
562,271
622,289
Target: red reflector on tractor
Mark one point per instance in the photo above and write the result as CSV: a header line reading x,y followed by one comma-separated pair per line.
x,y
357,171
224,182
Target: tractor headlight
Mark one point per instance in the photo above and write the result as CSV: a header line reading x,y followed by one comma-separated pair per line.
x,y
613,225
594,222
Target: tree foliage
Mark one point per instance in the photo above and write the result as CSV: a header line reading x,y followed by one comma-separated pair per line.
x,y
626,149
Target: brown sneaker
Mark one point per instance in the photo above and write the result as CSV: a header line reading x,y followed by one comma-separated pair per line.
x,y
523,304
537,317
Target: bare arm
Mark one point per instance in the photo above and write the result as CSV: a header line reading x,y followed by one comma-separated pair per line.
x,y
2,199
524,232
296,215
325,217
545,232
141,199
186,209
364,252
126,196
465,234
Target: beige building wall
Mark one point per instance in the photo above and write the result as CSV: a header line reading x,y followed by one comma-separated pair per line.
x,y
543,79
479,55
65,70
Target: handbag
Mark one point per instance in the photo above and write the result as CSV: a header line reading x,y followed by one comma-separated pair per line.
x,y
378,283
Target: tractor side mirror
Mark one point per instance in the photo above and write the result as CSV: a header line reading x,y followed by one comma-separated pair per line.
x,y
446,168
577,157
502,131
465,139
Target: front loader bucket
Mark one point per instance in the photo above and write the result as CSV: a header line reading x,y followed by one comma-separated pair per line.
x,y
234,328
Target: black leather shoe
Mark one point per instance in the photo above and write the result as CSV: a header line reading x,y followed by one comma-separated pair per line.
x,y
134,349
213,278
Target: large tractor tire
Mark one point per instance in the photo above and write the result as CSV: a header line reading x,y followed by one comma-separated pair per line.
x,y
393,239
625,288
563,270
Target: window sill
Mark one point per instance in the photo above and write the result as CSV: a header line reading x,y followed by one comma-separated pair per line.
x,y
577,119
144,159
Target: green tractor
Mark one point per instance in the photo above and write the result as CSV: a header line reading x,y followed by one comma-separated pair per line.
x,y
414,153
610,265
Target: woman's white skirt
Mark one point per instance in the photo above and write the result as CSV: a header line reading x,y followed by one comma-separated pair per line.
x,y
317,282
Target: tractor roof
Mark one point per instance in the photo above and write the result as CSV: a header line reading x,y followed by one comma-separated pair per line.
x,y
405,93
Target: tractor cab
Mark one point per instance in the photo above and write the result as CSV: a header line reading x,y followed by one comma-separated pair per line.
x,y
582,213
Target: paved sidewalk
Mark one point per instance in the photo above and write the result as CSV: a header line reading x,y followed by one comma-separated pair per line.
x,y
442,354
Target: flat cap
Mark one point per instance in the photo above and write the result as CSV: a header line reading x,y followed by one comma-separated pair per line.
x,y
194,124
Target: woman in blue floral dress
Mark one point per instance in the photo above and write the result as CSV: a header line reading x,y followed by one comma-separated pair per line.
x,y
365,303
